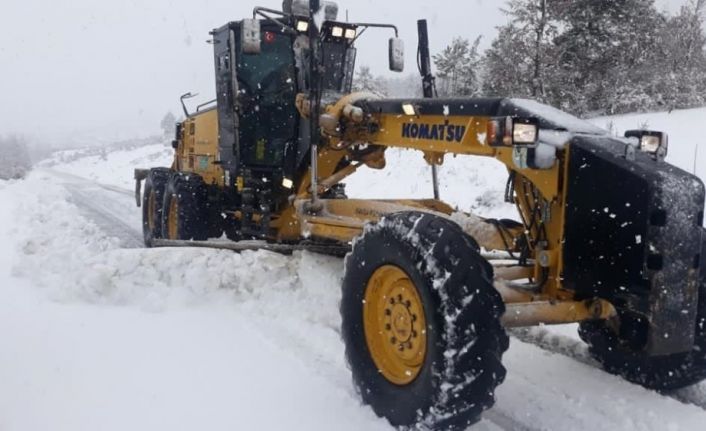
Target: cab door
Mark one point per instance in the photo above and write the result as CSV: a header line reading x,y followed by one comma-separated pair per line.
x,y
256,99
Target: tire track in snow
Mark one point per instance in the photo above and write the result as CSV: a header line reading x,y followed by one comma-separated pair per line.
x,y
578,350
112,212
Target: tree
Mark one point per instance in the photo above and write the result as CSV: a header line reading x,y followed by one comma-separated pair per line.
x,y
457,68
522,58
683,83
168,123
365,81
608,55
14,158
593,57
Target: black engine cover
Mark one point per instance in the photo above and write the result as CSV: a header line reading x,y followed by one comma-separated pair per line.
x,y
633,237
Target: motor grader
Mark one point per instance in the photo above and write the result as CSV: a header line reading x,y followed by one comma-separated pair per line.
x,y
609,235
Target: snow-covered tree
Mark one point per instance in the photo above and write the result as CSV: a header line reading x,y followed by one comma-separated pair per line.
x,y
14,158
458,68
168,123
608,55
682,83
599,56
365,81
523,56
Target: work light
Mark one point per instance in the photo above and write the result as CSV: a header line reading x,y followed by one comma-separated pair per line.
x,y
524,134
509,131
409,109
337,32
302,26
654,143
351,33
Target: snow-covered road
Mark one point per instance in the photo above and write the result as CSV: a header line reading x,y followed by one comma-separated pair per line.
x,y
98,334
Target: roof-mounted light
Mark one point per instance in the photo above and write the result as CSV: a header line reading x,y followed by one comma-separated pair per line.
x,y
351,33
337,31
302,26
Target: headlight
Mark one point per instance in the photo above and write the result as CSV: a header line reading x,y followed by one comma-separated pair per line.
x,y
509,132
337,32
302,26
525,134
653,143
351,33
650,144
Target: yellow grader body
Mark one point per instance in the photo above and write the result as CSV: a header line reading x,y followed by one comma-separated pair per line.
x,y
610,235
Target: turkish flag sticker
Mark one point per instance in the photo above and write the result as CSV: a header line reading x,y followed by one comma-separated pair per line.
x,y
269,37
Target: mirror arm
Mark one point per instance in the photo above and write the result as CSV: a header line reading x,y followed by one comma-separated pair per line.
x,y
259,11
183,104
368,25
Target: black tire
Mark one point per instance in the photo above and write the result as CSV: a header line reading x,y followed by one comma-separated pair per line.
x,y
188,194
231,227
662,373
152,200
465,340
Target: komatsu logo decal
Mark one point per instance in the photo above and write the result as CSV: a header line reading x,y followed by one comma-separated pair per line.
x,y
434,132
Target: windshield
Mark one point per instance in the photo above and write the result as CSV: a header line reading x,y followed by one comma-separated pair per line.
x,y
339,62
270,70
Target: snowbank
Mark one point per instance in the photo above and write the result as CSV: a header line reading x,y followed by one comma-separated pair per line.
x,y
180,339
115,168
97,336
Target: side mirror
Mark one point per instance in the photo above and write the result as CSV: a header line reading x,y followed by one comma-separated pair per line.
x,y
396,55
250,36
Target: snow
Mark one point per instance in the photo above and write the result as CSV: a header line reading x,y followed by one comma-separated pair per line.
x,y
470,184
99,333
178,339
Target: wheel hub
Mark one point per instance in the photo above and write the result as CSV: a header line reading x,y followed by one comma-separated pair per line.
x,y
395,326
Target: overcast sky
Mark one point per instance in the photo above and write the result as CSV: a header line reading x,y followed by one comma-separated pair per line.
x,y
80,70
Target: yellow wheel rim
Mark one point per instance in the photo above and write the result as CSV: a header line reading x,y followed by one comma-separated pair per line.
x,y
395,325
173,219
151,204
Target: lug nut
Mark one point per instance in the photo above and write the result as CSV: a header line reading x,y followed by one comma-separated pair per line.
x,y
388,312
388,327
408,303
393,340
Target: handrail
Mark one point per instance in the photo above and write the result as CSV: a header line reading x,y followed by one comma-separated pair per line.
x,y
198,108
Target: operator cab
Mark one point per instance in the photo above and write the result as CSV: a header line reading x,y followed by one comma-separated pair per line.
x,y
262,67
256,95
259,123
